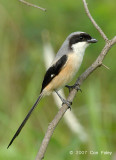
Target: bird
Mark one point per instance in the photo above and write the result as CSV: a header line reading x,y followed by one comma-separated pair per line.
x,y
63,68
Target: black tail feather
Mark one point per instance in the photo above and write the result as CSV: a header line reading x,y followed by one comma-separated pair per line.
x,y
25,120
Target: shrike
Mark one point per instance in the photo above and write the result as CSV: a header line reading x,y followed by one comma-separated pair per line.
x,y
63,68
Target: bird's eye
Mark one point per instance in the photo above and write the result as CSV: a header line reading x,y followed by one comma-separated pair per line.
x,y
81,38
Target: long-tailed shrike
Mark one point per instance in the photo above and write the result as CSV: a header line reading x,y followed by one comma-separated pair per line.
x,y
63,68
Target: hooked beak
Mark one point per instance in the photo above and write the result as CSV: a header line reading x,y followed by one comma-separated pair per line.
x,y
92,40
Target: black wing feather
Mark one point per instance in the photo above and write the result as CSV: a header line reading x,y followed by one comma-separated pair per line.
x,y
53,71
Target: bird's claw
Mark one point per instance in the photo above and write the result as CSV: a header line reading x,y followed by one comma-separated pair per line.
x,y
75,86
68,103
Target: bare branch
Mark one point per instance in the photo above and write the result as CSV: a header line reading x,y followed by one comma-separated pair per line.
x,y
105,66
50,131
70,98
32,5
93,21
97,63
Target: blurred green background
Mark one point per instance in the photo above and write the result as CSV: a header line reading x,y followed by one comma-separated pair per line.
x,y
22,71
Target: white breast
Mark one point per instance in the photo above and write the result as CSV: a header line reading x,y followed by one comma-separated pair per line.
x,y
76,57
79,48
74,62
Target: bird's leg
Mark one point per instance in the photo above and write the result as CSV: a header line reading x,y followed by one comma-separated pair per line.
x,y
68,103
75,86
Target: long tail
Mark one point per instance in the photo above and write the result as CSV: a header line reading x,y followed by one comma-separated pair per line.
x,y
25,120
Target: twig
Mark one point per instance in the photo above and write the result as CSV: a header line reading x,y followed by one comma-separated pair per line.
x,y
97,63
105,66
94,66
32,5
93,21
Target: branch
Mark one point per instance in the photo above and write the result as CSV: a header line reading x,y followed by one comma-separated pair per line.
x,y
93,21
32,5
98,61
80,80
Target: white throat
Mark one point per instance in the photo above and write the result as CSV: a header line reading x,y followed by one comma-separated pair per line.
x,y
79,48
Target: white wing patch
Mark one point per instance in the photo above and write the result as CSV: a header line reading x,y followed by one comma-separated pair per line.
x,y
52,75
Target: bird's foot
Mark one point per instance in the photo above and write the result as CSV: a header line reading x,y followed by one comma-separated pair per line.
x,y
68,103
75,86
